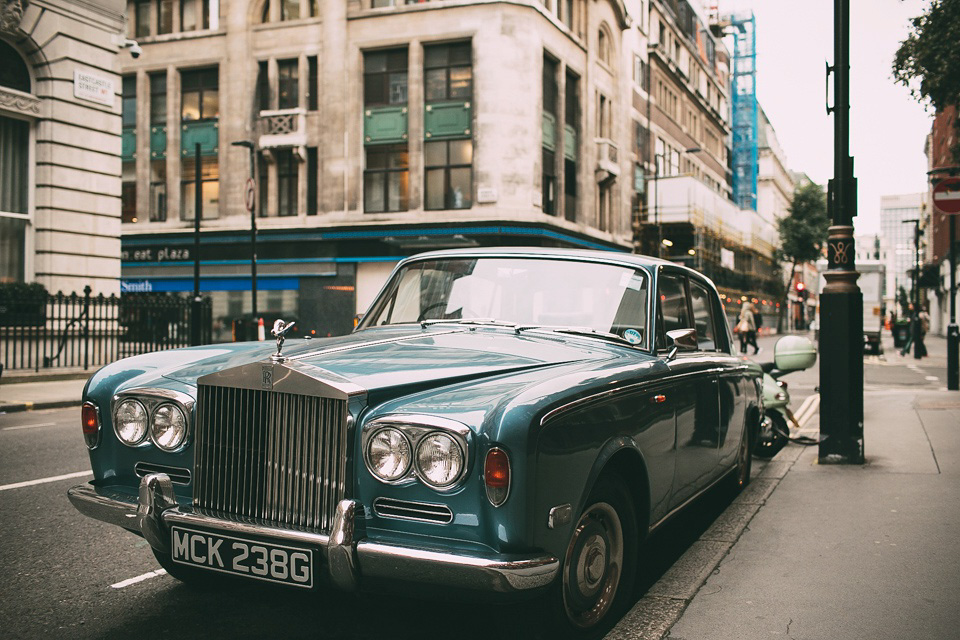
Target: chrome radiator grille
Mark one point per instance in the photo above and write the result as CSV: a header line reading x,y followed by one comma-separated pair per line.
x,y
273,457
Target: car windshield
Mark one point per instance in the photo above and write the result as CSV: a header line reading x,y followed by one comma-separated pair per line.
x,y
526,292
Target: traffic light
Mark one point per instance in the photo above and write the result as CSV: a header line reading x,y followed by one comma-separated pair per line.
x,y
801,290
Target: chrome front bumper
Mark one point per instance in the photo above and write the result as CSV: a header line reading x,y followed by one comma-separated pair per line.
x,y
347,559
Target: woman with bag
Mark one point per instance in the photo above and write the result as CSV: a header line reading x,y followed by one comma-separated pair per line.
x,y
747,329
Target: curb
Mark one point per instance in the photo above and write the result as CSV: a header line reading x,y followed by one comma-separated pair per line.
x,y
36,406
664,603
13,377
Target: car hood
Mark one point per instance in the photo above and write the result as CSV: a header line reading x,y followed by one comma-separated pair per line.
x,y
378,359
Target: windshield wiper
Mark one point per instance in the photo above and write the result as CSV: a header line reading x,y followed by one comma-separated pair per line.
x,y
477,321
579,331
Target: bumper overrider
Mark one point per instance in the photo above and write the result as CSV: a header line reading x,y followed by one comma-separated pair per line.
x,y
348,558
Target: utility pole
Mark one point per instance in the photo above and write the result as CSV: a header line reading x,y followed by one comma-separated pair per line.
x,y
841,303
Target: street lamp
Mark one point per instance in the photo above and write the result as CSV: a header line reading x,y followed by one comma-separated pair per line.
x,y
252,205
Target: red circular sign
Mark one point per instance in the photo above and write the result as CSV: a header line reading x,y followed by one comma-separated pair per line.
x,y
251,194
946,196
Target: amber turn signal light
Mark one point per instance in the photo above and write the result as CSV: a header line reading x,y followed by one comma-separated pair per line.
x,y
496,476
90,423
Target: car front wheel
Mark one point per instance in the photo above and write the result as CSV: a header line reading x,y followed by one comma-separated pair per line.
x,y
600,562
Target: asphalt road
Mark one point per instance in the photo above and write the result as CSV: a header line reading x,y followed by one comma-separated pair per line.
x,y
63,575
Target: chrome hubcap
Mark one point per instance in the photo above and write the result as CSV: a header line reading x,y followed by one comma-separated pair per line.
x,y
593,565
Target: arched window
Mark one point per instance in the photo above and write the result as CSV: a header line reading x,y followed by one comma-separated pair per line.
x,y
603,44
13,72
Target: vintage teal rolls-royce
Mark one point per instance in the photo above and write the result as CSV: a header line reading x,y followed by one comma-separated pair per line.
x,y
506,421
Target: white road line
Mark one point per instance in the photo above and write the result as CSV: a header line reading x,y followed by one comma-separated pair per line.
x,y
811,411
805,405
30,483
933,378
32,426
141,578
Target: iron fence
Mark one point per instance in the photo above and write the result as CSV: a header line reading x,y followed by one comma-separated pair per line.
x,y
84,331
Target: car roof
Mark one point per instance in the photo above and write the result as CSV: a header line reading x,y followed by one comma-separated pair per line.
x,y
613,257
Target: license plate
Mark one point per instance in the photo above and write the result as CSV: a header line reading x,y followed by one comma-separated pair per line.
x,y
237,556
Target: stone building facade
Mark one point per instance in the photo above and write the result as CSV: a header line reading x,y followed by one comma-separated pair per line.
x,y
60,143
379,128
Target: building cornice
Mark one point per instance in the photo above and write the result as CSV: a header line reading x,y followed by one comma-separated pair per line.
x,y
21,103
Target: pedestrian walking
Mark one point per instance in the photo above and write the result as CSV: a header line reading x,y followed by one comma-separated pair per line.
x,y
924,319
747,329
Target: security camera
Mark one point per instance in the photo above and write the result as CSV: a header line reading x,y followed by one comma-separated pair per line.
x,y
127,43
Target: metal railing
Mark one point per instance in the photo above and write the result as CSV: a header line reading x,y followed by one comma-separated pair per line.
x,y
84,331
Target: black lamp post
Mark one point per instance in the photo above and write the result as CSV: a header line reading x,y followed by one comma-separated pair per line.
x,y
841,302
253,223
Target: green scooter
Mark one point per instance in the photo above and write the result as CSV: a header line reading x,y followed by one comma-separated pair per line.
x,y
791,353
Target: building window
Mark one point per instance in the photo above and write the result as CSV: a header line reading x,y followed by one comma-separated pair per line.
x,y
288,84
566,13
158,190
14,178
263,178
165,16
639,72
641,141
128,102
313,87
188,15
548,181
288,169
209,188
449,174
603,116
263,86
312,181
572,120
289,10
128,192
386,179
604,45
201,95
158,99
448,74
141,27
385,78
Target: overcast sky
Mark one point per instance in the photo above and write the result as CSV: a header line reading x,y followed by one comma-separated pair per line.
x,y
888,127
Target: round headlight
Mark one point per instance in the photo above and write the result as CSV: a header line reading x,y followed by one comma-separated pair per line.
x,y
439,460
131,422
388,454
169,428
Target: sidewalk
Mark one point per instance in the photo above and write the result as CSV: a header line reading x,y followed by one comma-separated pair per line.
x,y
835,551
40,394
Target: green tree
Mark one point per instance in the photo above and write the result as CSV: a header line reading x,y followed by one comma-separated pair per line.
x,y
927,62
803,232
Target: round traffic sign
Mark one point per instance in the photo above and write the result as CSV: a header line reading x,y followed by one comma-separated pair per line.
x,y
946,196
251,195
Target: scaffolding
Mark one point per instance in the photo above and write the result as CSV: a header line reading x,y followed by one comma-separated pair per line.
x,y
745,129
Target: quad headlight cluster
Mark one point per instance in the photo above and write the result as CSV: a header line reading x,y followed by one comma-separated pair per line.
x,y
159,417
433,449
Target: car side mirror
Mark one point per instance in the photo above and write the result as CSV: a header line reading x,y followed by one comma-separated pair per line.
x,y
793,353
681,340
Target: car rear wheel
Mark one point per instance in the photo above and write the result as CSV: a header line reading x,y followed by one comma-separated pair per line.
x,y
600,563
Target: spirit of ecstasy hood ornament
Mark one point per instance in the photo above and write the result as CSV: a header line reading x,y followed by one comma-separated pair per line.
x,y
280,330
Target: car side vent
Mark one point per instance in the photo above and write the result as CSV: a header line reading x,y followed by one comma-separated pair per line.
x,y
406,510
178,475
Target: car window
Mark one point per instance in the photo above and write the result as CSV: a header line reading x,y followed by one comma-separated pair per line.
x,y
674,313
700,301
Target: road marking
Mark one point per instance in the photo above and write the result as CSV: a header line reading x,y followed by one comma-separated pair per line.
x,y
30,483
32,426
811,410
140,578
933,378
802,413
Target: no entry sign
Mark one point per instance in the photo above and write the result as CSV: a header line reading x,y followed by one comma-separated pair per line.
x,y
946,196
